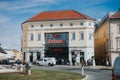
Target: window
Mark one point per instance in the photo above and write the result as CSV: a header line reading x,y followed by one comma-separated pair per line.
x,y
73,35
81,35
32,26
118,28
61,24
31,37
81,24
39,37
90,36
51,25
118,42
24,38
41,25
71,24
89,24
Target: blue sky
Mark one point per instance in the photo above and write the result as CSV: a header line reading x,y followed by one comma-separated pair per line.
x,y
14,12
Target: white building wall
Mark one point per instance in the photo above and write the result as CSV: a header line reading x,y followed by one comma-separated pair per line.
x,y
82,45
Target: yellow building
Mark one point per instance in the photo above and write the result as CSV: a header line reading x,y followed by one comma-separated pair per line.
x,y
65,34
107,39
16,54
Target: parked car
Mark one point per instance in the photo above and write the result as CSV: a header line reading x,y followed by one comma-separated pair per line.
x,y
10,60
46,61
18,61
116,69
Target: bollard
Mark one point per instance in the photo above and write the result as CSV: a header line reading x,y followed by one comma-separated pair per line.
x,y
29,72
21,68
15,66
83,71
28,66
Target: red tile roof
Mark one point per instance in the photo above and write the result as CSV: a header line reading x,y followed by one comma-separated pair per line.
x,y
116,15
59,15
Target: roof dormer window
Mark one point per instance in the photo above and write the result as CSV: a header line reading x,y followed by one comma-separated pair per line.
x,y
32,26
51,25
41,25
61,25
81,24
71,24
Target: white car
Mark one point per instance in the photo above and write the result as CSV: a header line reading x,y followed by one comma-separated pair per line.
x,y
46,61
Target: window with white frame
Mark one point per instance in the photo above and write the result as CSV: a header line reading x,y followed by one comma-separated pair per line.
x,y
89,24
24,38
82,35
39,37
118,28
118,43
90,36
31,37
73,35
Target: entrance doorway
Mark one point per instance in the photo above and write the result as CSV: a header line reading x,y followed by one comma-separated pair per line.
x,y
73,58
38,55
31,56
82,60
59,53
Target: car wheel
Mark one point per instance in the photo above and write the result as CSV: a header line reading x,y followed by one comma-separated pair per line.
x,y
38,64
49,64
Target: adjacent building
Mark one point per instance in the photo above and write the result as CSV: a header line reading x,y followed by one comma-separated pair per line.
x,y
3,53
66,35
16,54
107,39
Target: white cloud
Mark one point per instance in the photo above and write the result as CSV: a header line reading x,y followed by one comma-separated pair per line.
x,y
24,4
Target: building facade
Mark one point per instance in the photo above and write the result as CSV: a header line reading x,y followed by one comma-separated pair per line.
x,y
16,54
3,53
66,35
107,39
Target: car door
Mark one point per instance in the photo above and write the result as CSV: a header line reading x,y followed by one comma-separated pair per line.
x,y
45,62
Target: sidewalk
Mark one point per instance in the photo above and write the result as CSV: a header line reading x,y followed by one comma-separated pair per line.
x,y
5,70
88,67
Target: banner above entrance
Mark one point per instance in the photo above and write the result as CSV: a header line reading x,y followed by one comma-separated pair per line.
x,y
57,39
